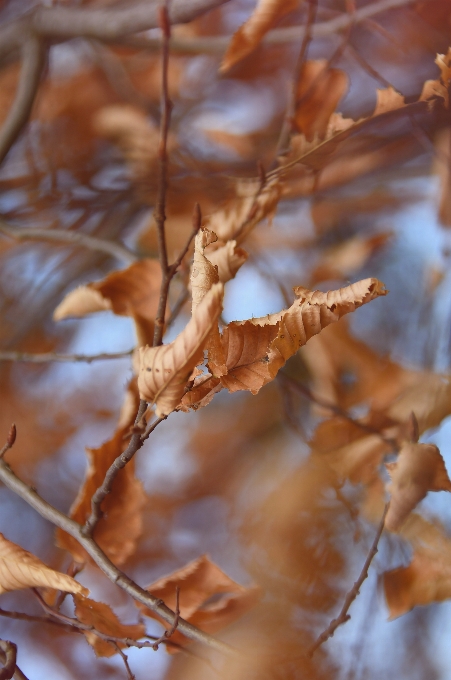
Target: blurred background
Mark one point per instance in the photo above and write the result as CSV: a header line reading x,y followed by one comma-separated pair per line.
x,y
238,479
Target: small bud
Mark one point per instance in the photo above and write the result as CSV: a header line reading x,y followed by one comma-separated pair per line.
x,y
11,436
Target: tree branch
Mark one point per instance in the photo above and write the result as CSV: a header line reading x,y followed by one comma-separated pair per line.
x,y
30,496
60,358
30,75
343,616
73,237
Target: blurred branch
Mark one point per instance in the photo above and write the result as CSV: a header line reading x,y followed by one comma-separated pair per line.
x,y
50,356
32,65
279,36
30,496
72,237
343,616
60,23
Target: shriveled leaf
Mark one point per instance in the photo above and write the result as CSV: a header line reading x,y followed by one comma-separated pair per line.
x,y
103,619
209,598
164,371
419,468
388,100
228,258
266,14
121,525
250,206
20,569
130,292
319,90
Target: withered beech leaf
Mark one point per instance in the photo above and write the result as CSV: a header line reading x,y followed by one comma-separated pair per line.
x,y
130,292
121,525
251,204
103,619
209,599
204,275
20,569
256,349
164,371
266,14
419,468
228,258
319,90
427,578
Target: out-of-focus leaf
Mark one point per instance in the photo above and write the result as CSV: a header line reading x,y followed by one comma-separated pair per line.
x,y
121,525
130,292
419,468
164,371
266,14
103,619
209,598
344,260
20,569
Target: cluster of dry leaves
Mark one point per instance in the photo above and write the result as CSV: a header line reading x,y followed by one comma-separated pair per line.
x,y
209,355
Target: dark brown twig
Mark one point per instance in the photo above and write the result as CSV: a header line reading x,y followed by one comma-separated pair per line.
x,y
366,66
72,237
343,616
10,439
32,66
59,519
287,125
60,358
170,632
124,657
118,464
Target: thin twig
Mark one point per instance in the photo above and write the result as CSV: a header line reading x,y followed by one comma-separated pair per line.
x,y
287,125
60,358
74,238
59,519
343,616
367,66
170,632
30,75
152,427
118,464
10,439
124,657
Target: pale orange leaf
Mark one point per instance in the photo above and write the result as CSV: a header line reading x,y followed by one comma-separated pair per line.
x,y
20,569
419,468
200,581
103,619
164,371
266,14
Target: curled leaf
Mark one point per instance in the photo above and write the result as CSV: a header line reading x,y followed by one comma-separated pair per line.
x,y
419,468
228,259
130,292
101,617
20,569
209,599
164,371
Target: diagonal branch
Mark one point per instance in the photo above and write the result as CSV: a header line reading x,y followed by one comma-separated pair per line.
x,y
32,66
343,616
72,237
60,358
30,496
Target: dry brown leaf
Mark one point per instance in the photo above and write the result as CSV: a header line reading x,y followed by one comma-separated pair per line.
x,y
388,100
200,581
121,525
419,468
250,206
266,14
318,92
20,569
130,292
427,578
228,258
103,619
164,371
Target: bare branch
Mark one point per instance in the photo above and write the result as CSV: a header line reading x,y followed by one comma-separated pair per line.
x,y
30,496
72,237
353,593
63,358
30,75
170,632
